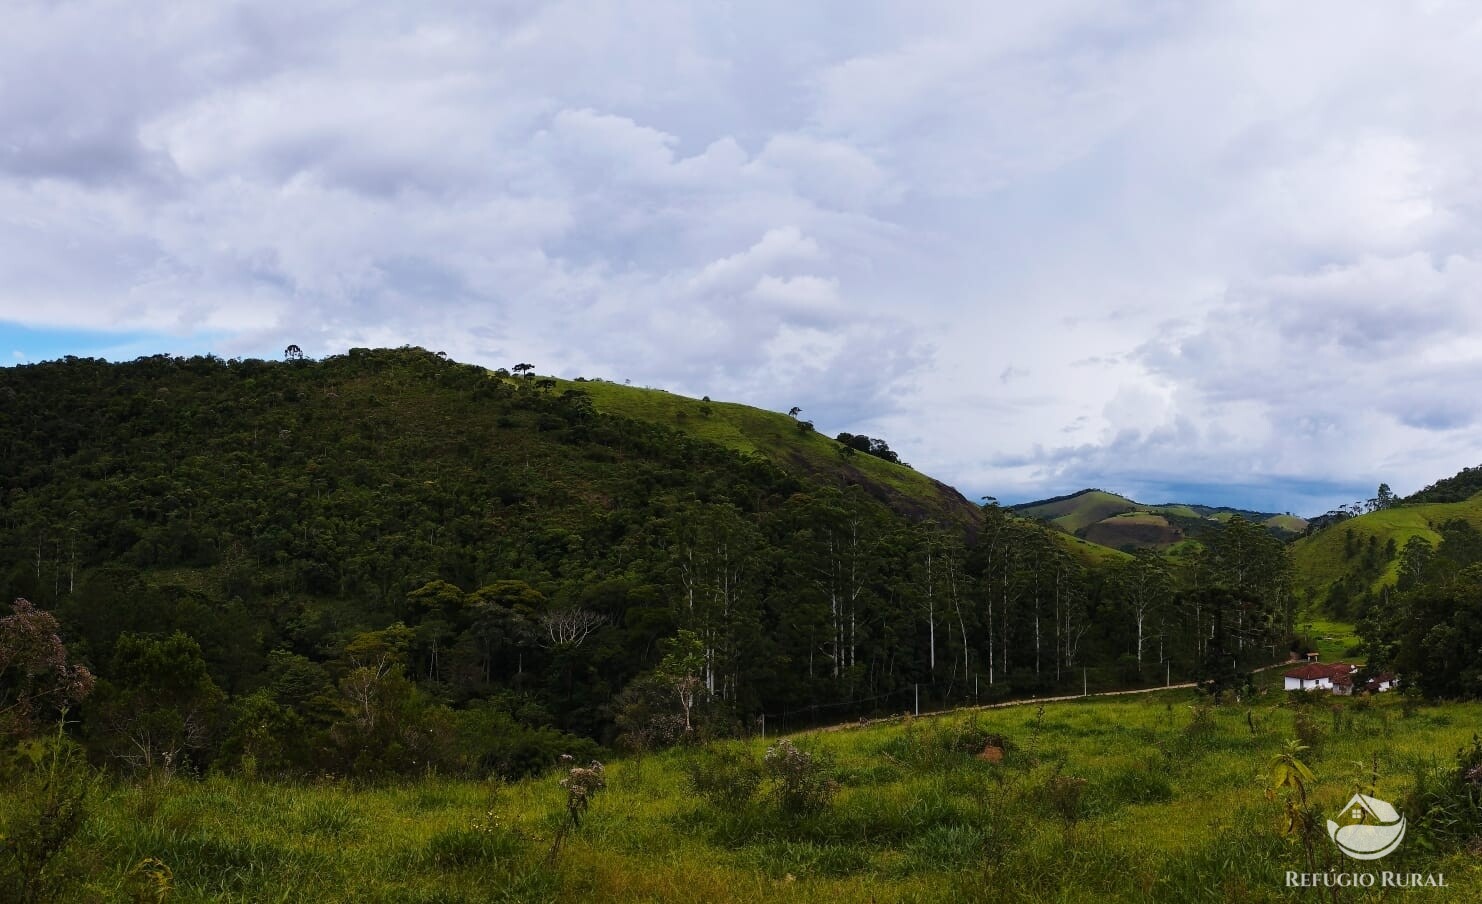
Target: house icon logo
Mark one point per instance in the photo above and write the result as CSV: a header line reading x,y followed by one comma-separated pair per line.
x,y
1373,828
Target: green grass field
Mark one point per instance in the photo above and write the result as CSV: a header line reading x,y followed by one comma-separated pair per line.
x,y
1144,799
1092,554
1148,518
1335,641
1178,511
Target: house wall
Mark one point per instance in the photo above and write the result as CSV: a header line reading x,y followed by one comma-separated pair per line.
x,y
1308,684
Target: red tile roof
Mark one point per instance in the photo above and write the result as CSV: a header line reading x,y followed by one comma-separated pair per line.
x,y
1314,671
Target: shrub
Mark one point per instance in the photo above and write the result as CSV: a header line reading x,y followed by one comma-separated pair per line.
x,y
151,880
1193,737
1449,801
1201,723
47,808
1342,721
582,783
494,742
803,780
1061,796
1309,731
726,776
936,743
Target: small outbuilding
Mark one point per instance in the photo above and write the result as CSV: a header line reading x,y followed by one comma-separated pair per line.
x,y
1381,682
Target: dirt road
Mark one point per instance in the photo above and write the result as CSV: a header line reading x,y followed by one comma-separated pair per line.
x,y
1031,701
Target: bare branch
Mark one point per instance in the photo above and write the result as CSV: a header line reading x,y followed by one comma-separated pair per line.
x,y
569,627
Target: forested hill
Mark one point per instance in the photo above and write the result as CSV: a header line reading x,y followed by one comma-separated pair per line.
x,y
385,559
1459,487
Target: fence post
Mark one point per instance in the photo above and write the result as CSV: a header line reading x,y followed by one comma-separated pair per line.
x,y
1168,673
764,726
1083,683
918,699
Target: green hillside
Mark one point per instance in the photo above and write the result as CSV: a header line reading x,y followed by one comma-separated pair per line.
x,y
808,453
1092,555
1320,559
1116,522
1140,530
780,439
1289,523
1078,511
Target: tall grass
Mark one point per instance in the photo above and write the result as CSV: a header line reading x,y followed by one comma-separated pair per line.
x,y
1108,801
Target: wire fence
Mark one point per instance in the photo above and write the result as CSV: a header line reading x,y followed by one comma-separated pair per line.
x,y
927,697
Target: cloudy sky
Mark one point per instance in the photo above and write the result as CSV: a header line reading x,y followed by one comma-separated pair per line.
x,y
1220,252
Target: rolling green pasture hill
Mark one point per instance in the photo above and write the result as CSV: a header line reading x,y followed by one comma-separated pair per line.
x,y
1092,555
787,443
1288,523
1117,522
1077,511
1334,554
1143,530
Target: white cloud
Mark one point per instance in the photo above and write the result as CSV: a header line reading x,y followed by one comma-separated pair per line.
x,y
1035,246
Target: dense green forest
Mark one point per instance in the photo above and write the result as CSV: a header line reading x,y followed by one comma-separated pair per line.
x,y
387,561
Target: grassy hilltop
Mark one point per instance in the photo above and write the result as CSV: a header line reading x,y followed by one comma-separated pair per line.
x,y
808,454
780,440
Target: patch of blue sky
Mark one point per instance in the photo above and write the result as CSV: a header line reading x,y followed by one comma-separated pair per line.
x,y
20,344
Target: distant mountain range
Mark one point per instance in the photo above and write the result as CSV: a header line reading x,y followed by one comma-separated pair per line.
x,y
1114,521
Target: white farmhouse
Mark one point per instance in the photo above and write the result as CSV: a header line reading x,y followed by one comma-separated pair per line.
x,y
1315,676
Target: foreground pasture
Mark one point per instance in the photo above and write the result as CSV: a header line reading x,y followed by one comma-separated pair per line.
x,y
1154,798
